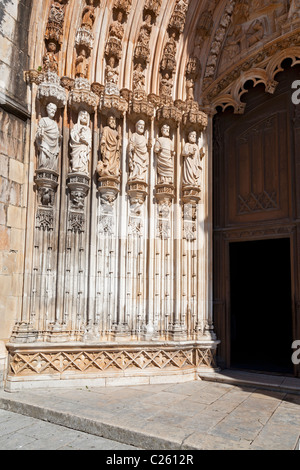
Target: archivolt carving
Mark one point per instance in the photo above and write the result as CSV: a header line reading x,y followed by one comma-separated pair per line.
x,y
232,95
274,64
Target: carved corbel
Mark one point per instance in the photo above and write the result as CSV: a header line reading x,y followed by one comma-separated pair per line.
x,y
47,183
82,96
79,186
51,91
84,37
194,117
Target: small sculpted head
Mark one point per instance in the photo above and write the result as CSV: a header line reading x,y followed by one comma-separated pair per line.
x,y
140,127
51,110
165,130
193,137
112,122
84,117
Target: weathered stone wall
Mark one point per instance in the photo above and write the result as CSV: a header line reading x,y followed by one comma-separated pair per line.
x,y
14,29
12,218
14,125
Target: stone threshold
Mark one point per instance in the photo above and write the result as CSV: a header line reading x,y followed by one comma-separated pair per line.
x,y
260,380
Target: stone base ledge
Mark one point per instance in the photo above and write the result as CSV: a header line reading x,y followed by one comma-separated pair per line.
x,y
103,365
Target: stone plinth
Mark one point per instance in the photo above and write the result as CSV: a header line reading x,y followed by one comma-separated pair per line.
x,y
47,364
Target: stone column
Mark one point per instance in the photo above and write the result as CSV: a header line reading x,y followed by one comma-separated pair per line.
x,y
208,231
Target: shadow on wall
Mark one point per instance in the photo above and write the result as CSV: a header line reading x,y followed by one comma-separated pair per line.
x,y
2,13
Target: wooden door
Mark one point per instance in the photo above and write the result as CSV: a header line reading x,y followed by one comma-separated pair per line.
x,y
256,195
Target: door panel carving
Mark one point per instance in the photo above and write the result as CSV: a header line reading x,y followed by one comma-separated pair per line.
x,y
258,170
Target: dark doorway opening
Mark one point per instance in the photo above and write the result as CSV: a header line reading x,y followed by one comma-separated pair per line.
x,y
261,307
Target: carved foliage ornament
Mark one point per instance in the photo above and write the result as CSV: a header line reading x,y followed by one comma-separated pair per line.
x,y
50,90
56,18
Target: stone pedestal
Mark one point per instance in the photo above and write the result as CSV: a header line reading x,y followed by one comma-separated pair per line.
x,y
108,364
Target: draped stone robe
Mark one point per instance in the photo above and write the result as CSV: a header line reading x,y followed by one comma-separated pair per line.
x,y
191,165
164,149
48,142
110,149
138,157
81,144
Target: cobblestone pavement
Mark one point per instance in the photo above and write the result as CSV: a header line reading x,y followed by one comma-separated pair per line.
x,y
19,432
189,416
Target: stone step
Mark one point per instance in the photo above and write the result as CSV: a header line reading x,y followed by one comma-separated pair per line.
x,y
259,380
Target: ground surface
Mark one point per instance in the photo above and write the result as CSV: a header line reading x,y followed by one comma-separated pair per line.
x,y
196,415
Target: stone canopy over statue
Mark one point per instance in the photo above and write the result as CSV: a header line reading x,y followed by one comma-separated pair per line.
x,y
48,140
81,144
164,150
138,154
110,150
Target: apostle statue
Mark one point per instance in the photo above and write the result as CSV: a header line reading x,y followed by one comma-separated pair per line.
x,y
138,154
48,140
110,150
81,144
164,150
192,161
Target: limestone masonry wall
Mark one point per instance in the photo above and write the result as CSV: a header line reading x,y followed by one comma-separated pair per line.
x,y
14,123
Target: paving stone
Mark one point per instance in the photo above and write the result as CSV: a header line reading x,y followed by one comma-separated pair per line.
x,y
275,437
16,441
201,441
198,415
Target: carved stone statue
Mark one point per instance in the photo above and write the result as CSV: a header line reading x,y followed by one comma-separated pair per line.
x,y
164,150
234,43
50,63
138,154
117,29
255,33
192,161
190,86
110,150
138,78
111,77
48,140
166,86
81,144
82,64
88,15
